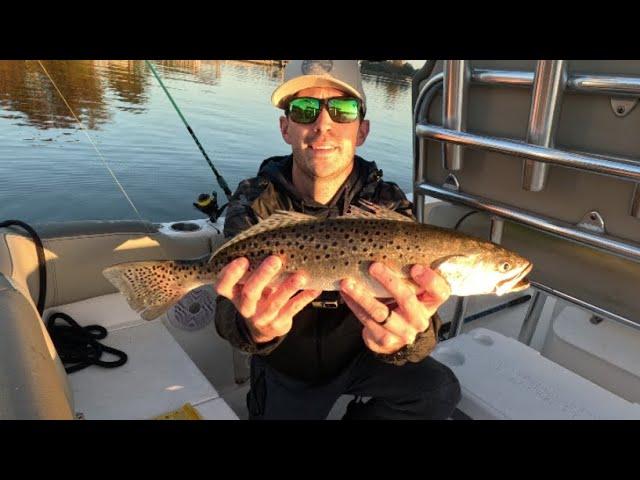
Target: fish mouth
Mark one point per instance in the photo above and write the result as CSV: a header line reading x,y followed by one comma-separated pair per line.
x,y
516,283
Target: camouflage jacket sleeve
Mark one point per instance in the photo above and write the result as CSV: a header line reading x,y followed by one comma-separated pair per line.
x,y
424,343
391,196
230,325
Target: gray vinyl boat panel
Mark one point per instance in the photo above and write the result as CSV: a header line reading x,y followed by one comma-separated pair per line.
x,y
586,124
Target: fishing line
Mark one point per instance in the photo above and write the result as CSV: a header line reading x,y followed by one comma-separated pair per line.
x,y
67,339
113,175
92,143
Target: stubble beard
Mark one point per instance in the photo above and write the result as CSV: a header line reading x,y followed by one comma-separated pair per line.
x,y
320,187
307,168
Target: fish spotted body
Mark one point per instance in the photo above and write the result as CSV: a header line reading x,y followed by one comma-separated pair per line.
x,y
328,251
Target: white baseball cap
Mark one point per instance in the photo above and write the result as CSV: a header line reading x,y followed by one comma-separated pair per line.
x,y
300,74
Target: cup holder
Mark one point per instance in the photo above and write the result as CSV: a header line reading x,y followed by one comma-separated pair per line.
x,y
185,227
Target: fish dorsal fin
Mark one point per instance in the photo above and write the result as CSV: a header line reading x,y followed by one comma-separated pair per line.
x,y
294,217
279,219
376,212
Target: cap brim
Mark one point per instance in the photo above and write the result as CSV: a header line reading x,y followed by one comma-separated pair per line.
x,y
294,85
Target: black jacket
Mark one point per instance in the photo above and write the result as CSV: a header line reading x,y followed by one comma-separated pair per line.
x,y
321,341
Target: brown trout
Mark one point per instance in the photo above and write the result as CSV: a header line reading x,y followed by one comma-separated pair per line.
x,y
329,250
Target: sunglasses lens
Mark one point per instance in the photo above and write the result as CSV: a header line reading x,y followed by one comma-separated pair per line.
x,y
304,110
344,110
307,109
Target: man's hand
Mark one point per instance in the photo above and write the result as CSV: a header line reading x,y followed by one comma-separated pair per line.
x,y
387,331
268,311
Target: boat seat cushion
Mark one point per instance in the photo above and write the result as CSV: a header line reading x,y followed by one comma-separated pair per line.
x,y
158,377
33,383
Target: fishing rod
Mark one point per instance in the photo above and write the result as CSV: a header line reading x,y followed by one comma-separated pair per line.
x,y
221,180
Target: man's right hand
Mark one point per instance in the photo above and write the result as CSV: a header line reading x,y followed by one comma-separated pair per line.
x,y
268,311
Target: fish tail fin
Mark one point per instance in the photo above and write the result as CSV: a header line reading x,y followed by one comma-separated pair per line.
x,y
150,287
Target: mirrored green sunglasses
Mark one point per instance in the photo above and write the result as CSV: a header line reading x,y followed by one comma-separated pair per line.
x,y
307,109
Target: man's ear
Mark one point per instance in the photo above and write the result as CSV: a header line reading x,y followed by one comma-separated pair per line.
x,y
284,129
363,131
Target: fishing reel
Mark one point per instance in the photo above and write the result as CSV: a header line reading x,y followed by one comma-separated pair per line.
x,y
208,204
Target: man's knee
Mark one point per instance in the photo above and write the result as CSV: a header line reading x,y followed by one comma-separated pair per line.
x,y
447,387
440,392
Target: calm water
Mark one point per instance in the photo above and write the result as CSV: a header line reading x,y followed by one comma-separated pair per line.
x,y
49,170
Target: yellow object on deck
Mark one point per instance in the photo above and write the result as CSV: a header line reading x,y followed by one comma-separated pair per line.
x,y
186,412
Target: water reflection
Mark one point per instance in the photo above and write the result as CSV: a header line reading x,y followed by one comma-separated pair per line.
x,y
189,70
393,88
25,88
189,66
139,134
254,68
128,80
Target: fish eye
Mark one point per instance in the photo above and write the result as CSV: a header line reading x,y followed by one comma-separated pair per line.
x,y
505,267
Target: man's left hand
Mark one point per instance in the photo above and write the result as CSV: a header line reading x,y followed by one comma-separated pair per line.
x,y
388,330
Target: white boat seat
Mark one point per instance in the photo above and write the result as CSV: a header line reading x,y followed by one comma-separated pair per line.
x,y
33,384
502,378
158,377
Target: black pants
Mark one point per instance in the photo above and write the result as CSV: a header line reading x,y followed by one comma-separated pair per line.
x,y
427,390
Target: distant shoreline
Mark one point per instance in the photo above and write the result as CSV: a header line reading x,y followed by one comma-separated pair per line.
x,y
388,69
385,68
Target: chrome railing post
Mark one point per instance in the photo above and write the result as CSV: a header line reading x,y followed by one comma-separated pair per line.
x,y
454,108
532,317
454,116
497,226
421,110
635,202
548,85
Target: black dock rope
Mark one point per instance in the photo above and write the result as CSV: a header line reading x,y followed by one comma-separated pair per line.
x,y
78,347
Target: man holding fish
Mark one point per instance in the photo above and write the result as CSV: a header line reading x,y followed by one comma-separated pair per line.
x,y
305,354
317,223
